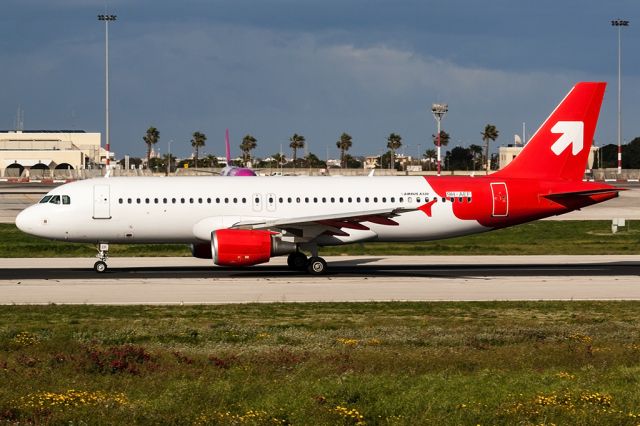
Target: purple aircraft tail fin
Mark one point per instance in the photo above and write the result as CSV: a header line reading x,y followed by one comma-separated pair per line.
x,y
226,141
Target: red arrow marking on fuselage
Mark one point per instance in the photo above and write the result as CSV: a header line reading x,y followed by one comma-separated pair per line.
x,y
426,208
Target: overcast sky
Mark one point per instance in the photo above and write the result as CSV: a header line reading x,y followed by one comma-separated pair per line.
x,y
318,68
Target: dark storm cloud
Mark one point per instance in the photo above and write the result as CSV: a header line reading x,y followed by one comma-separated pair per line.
x,y
272,68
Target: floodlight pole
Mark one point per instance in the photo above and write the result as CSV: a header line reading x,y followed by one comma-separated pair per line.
x,y
439,110
619,23
106,19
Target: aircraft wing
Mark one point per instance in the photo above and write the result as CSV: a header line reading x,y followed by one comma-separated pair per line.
x,y
312,226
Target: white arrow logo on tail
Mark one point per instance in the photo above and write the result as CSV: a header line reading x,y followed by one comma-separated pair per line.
x,y
572,134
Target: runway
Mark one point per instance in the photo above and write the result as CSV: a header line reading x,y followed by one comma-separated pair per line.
x,y
351,279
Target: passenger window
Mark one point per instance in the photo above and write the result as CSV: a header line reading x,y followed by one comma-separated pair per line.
x,y
333,200
235,200
358,200
460,199
55,199
306,199
191,200
226,200
155,200
349,199
324,199
270,200
297,199
173,200
393,199
129,200
409,199
468,199
66,199
426,199
366,199
182,200
375,199
444,200
341,199
244,200
164,200
257,200
199,200
280,200
120,200
217,200
384,199
45,199
315,199
146,200
138,200
289,200
401,199
208,200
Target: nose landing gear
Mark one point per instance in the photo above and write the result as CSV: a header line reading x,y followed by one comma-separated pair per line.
x,y
103,253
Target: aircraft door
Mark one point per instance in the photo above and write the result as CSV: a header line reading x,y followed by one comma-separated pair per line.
x,y
271,202
500,197
257,202
101,202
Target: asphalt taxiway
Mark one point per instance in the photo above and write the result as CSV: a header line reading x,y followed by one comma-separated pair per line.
x,y
352,278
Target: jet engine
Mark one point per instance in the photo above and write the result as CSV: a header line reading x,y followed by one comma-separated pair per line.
x,y
201,251
242,247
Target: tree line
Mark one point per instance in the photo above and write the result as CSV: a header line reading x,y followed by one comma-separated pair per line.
x,y
458,158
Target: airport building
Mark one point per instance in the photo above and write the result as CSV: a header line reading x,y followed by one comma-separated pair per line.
x,y
47,153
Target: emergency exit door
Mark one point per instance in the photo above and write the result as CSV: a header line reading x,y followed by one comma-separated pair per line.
x,y
101,202
500,199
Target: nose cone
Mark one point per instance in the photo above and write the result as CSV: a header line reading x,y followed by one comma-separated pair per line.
x,y
24,221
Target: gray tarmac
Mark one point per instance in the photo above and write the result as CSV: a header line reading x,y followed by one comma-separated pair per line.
x,y
159,281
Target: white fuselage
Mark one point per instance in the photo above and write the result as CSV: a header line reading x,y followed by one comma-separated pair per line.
x,y
187,209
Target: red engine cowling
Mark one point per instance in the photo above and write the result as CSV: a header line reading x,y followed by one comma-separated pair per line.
x,y
240,247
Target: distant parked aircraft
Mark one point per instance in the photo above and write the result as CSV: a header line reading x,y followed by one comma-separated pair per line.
x,y
242,222
230,170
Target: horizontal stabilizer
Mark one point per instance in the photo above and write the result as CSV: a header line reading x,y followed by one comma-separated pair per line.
x,y
586,193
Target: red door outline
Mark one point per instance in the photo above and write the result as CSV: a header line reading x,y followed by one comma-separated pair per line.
x,y
500,197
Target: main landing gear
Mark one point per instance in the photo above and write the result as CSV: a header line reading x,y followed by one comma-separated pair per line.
x,y
103,253
315,265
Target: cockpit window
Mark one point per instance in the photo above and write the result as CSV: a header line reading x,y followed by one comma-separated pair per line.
x,y
66,199
45,199
55,199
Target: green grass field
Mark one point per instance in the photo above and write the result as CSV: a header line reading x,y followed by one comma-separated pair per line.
x,y
322,364
542,237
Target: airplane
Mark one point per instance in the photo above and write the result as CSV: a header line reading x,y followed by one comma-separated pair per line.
x,y
244,222
230,170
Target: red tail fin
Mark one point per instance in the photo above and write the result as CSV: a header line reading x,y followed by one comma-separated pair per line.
x,y
560,148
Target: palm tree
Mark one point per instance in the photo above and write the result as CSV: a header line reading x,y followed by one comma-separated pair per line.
x,y
344,144
151,138
444,138
196,143
430,155
476,151
248,144
490,133
297,142
394,142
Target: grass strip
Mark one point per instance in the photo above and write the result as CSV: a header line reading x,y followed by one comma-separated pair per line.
x,y
350,363
541,237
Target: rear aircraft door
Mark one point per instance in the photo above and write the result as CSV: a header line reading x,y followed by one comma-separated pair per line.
x,y
500,199
101,203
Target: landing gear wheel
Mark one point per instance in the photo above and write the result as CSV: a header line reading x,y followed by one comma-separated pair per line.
x,y
317,266
297,261
100,266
